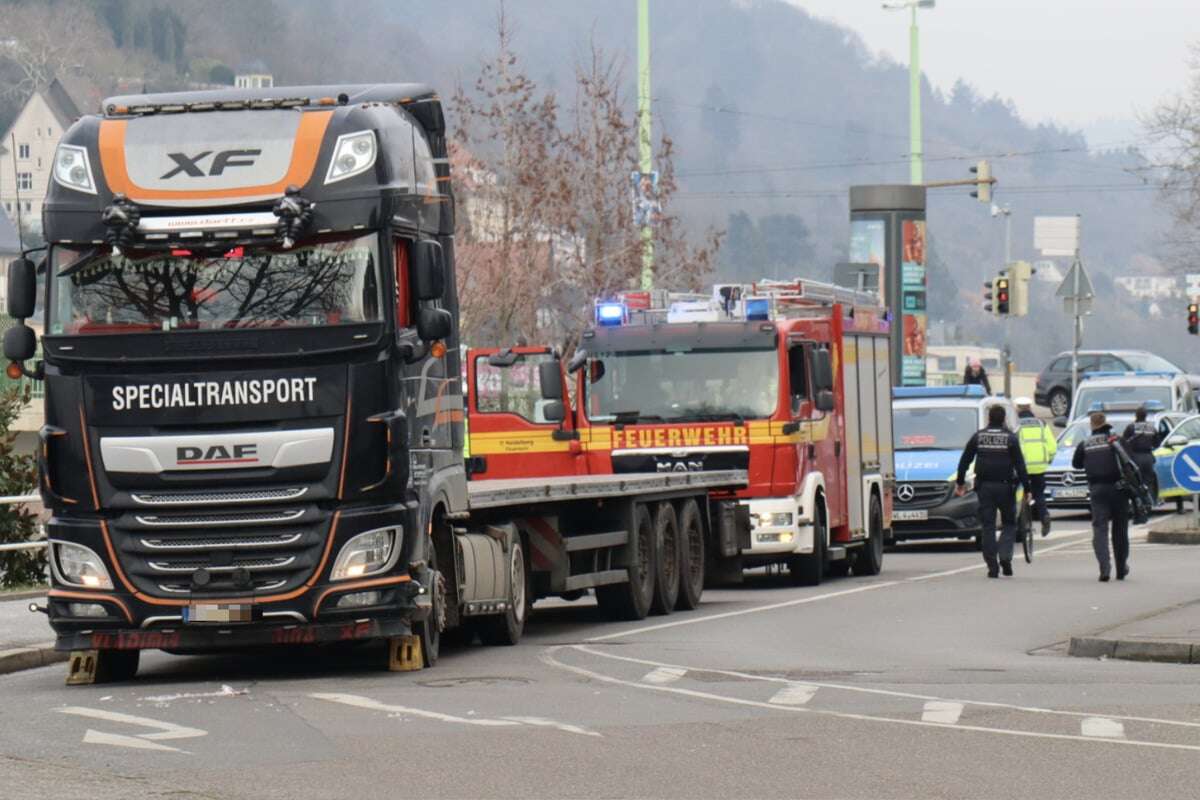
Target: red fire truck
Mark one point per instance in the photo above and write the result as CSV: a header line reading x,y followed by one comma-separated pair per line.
x,y
788,380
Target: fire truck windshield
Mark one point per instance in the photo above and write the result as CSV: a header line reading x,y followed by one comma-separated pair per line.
x,y
686,386
328,283
928,428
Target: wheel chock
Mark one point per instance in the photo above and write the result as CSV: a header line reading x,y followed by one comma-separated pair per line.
x,y
404,654
81,667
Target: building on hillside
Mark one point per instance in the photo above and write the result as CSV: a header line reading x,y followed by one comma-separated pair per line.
x,y
29,143
10,243
254,75
1149,287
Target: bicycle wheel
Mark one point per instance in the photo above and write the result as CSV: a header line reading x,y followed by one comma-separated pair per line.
x,y
1028,539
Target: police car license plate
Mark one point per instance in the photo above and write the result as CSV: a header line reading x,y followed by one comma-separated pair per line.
x,y
910,515
218,612
1070,494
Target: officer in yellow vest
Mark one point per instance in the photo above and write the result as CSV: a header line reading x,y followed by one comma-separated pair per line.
x,y
1038,445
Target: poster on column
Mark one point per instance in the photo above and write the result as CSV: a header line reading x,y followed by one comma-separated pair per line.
x,y
868,245
912,300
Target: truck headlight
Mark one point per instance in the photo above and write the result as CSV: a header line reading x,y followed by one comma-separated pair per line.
x,y
72,168
778,520
366,554
353,154
80,566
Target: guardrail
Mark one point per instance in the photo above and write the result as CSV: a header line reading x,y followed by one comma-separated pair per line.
x,y
34,544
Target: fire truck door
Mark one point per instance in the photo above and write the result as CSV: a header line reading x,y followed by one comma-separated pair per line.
x,y
521,424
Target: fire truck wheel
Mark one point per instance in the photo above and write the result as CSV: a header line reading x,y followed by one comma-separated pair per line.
x,y
631,600
691,562
869,559
808,570
506,629
666,574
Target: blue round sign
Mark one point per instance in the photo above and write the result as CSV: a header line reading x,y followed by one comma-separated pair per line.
x,y
1185,469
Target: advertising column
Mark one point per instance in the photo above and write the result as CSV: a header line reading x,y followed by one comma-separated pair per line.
x,y
887,228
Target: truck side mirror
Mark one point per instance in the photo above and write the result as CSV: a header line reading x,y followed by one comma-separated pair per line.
x,y
22,288
20,343
433,324
429,270
822,371
825,400
505,358
554,411
550,378
577,361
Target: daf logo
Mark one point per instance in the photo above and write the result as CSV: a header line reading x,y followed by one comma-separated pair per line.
x,y
191,166
905,493
217,454
1068,478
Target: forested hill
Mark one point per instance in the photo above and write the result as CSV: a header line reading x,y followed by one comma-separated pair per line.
x,y
774,114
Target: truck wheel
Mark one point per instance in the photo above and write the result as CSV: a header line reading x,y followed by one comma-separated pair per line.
x,y
668,558
808,570
691,563
869,560
430,629
631,600
506,628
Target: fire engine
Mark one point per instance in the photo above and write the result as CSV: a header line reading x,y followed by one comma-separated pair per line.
x,y
787,380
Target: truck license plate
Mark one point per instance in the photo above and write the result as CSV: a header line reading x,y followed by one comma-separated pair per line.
x,y
910,515
1071,494
218,612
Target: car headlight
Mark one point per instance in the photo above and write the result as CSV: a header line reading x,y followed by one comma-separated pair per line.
x,y
366,554
353,154
72,168
80,566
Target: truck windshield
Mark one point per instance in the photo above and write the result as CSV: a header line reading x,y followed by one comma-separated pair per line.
x,y
925,428
332,282
684,386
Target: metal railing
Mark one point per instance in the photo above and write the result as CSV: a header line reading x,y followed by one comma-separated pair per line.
x,y
33,544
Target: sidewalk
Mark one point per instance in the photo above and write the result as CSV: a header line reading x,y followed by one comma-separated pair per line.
x,y
1171,636
26,640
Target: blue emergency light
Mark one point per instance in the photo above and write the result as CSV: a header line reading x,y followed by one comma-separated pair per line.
x,y
758,308
1129,374
610,313
909,392
1127,405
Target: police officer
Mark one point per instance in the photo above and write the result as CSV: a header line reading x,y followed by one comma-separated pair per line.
x,y
1095,455
1038,446
999,465
1141,439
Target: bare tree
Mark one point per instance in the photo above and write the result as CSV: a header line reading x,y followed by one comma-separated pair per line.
x,y
1174,127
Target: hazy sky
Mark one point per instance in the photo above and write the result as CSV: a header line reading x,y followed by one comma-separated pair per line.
x,y
1073,61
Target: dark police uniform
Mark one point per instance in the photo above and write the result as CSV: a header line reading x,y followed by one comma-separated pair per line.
x,y
1141,440
999,467
1095,456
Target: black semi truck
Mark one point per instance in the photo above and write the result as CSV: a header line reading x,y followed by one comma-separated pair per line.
x,y
253,400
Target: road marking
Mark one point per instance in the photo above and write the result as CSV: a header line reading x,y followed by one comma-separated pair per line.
x,y
942,711
794,694
664,675
542,722
1102,728
548,658
374,705
142,741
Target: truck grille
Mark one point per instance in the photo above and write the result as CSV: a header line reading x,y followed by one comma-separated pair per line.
x,y
242,553
921,494
219,498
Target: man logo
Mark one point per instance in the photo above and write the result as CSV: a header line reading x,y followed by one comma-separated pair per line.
x,y
190,165
679,466
905,493
217,454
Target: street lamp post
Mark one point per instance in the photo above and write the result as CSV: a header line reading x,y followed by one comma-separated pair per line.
x,y
914,84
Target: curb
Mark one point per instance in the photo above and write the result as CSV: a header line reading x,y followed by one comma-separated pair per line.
x,y
22,658
1173,537
31,594
1134,650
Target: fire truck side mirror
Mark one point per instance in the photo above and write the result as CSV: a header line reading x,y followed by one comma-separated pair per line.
x,y
554,411
550,378
822,372
577,361
22,288
434,324
429,270
825,400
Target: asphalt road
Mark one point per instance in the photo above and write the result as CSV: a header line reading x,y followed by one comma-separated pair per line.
x,y
928,681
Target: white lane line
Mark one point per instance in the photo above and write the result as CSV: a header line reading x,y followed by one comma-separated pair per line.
x,y
794,694
142,741
867,690
120,740
1102,728
942,711
374,705
542,722
547,657
664,675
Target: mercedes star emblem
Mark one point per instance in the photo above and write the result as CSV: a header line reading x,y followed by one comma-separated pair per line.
x,y
905,493
1068,478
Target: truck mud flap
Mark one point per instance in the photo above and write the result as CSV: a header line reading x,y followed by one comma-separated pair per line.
x,y
731,522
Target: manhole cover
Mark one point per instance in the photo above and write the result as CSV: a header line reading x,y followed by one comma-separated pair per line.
x,y
487,680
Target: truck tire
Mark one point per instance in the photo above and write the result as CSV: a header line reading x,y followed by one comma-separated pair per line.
x,y
869,559
430,630
506,629
117,666
807,570
691,562
631,600
668,559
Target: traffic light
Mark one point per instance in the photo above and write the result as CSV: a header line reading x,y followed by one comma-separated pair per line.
x,y
988,296
1193,318
983,181
1020,272
1002,296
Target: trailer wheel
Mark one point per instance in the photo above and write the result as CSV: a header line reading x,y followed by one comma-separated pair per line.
x,y
669,559
808,570
506,629
869,559
691,562
631,600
